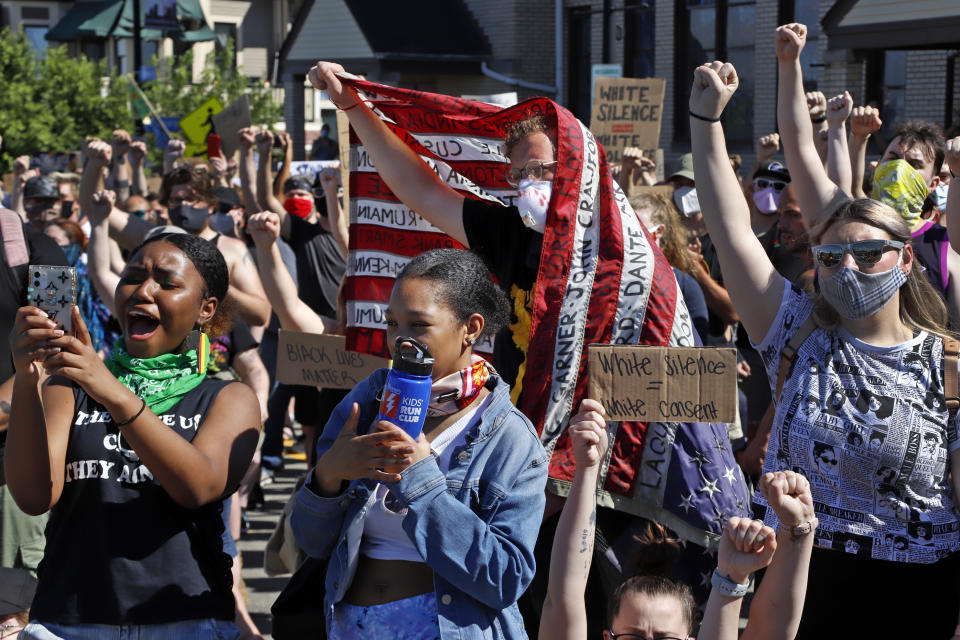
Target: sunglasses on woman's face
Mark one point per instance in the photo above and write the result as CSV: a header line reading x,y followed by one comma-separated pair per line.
x,y
777,185
864,252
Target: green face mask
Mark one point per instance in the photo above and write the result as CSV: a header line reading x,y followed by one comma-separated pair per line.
x,y
161,381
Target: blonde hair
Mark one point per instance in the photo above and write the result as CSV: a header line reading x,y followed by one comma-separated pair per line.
x,y
673,241
921,307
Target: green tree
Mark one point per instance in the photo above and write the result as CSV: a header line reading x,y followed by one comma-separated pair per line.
x,y
175,94
53,103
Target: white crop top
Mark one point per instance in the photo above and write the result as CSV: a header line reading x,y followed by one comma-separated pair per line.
x,y
383,534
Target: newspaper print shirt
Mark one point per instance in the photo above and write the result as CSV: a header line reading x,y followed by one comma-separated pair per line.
x,y
868,427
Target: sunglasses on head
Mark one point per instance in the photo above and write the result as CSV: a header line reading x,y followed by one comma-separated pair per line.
x,y
864,252
778,186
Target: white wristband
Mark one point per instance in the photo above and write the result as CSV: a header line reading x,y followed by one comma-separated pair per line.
x,y
728,587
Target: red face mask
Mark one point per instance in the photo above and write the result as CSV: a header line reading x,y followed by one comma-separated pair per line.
x,y
300,207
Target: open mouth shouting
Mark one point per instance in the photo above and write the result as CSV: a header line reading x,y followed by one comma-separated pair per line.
x,y
141,324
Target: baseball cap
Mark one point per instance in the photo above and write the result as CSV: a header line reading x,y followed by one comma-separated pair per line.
x,y
17,587
774,170
41,187
683,167
226,196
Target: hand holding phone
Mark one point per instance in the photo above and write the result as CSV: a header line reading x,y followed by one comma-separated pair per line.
x,y
54,290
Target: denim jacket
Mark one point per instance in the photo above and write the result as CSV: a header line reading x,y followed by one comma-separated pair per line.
x,y
476,527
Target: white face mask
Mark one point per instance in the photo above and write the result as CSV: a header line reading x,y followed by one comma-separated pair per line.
x,y
686,200
532,201
940,197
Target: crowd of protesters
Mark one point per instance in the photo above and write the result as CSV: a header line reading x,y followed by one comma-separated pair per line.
x,y
136,439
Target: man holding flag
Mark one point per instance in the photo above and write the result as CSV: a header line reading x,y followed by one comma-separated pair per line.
x,y
544,212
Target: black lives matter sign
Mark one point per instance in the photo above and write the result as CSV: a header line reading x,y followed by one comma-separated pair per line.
x,y
627,113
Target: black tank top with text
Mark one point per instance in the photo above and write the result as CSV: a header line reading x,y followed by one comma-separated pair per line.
x,y
119,550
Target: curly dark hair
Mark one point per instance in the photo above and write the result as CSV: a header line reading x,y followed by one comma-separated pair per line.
x,y
211,266
198,179
464,284
523,128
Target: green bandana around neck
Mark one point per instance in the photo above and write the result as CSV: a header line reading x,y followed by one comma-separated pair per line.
x,y
161,381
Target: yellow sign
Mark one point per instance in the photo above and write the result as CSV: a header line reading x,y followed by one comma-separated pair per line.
x,y
198,124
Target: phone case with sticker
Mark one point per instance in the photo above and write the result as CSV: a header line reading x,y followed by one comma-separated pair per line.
x,y
54,289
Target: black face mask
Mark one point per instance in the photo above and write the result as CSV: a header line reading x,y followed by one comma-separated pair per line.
x,y
191,219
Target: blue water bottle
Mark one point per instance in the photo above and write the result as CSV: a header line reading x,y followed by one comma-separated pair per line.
x,y
406,393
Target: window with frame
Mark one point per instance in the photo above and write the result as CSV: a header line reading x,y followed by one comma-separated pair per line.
x,y
226,36
708,30
639,42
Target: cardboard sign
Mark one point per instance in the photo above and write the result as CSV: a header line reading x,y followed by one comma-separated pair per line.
x,y
199,122
664,384
602,71
310,169
627,113
322,361
228,122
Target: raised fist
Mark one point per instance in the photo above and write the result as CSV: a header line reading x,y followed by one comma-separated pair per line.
x,y
99,153
788,494
246,138
120,141
264,142
588,434
951,155
264,227
816,104
323,77
790,39
865,121
767,147
713,86
138,151
745,546
839,108
103,202
175,149
21,165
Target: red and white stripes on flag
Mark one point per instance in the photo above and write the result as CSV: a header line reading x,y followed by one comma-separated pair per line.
x,y
601,278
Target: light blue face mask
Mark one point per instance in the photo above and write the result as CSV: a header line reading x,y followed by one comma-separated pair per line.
x,y
940,197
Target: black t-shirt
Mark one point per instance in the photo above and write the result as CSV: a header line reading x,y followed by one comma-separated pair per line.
x,y
119,549
13,286
224,348
787,264
320,265
512,252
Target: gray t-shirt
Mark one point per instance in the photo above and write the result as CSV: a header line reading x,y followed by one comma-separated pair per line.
x,y
868,427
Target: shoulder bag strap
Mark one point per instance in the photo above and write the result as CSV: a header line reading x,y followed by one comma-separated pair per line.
x,y
789,353
951,389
